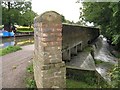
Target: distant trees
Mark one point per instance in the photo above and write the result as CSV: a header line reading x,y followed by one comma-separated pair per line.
x,y
17,13
106,15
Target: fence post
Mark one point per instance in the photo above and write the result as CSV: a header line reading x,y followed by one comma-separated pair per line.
x,y
49,69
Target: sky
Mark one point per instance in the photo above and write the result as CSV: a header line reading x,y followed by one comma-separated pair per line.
x,y
68,8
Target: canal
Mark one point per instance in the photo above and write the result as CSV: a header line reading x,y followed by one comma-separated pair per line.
x,y
19,41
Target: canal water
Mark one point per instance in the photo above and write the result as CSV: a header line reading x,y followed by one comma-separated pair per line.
x,y
17,41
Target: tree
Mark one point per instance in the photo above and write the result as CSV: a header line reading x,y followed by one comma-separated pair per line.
x,y
17,13
63,19
28,17
107,16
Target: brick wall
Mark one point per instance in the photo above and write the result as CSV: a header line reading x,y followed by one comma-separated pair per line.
x,y
49,69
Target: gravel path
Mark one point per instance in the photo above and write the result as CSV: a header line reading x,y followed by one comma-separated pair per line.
x,y
14,67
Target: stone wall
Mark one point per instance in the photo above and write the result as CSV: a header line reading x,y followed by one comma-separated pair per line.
x,y
49,69
75,38
74,34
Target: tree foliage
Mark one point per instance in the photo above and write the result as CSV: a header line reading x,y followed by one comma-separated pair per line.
x,y
107,16
17,13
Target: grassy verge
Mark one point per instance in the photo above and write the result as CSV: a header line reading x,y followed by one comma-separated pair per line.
x,y
70,83
9,49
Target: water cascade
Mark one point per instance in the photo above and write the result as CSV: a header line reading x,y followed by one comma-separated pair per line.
x,y
102,54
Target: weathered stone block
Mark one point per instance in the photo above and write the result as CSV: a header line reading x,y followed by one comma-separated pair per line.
x,y
60,81
57,43
59,65
50,39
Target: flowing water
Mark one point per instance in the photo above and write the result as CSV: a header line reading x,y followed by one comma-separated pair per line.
x,y
102,53
19,41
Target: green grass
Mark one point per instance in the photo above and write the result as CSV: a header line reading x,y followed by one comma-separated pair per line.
x,y
78,84
30,69
115,76
30,82
9,49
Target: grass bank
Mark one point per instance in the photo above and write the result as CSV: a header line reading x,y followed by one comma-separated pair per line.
x,y
70,83
9,49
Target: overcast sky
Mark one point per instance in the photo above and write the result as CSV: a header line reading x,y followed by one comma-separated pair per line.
x,y
68,8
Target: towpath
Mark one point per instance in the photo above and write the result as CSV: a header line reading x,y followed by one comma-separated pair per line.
x,y
14,67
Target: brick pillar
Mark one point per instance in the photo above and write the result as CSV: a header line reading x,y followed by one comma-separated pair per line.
x,y
49,69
